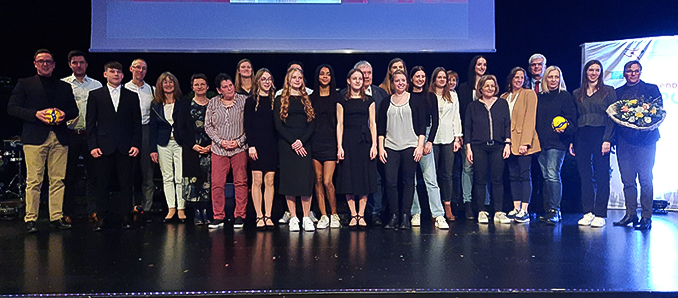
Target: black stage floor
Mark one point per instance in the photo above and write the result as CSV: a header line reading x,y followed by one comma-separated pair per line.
x,y
469,260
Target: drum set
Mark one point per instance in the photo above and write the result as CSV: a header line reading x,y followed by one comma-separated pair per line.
x,y
12,196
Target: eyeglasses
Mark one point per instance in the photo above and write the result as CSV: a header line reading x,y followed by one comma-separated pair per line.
x,y
46,62
632,72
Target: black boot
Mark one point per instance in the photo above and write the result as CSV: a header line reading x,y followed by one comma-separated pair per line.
x,y
469,211
405,222
626,220
645,224
392,222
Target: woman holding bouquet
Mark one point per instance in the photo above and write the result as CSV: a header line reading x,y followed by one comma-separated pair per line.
x,y
591,146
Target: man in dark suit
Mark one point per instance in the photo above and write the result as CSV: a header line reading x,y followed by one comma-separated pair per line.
x,y
537,65
113,138
37,100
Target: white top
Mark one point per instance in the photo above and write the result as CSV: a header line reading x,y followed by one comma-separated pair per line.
x,y
145,98
278,92
115,95
512,102
81,93
400,133
450,120
169,110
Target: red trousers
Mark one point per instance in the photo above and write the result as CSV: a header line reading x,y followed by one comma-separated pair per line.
x,y
221,165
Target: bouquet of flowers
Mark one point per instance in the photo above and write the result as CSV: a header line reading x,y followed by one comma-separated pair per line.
x,y
639,114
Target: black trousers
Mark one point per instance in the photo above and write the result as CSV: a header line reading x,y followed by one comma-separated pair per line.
x,y
120,167
520,175
637,161
77,148
594,170
488,161
400,163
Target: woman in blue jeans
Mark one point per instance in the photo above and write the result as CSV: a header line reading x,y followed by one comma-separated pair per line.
x,y
554,100
421,93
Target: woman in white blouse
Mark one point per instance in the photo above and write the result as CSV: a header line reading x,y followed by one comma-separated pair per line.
x,y
448,138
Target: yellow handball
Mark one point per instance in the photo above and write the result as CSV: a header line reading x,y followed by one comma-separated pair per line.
x,y
559,123
54,116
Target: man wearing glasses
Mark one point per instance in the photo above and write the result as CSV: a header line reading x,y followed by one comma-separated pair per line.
x,y
45,103
537,65
145,92
636,151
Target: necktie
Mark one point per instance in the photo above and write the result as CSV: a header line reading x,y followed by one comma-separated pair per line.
x,y
536,86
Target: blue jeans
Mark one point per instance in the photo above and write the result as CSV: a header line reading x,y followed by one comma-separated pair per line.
x,y
467,180
550,162
428,169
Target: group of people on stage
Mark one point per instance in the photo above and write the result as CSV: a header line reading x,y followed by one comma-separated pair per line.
x,y
360,137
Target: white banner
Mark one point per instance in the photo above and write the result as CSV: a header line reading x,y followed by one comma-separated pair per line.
x,y
660,67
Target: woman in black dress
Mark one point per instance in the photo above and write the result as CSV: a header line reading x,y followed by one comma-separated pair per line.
x,y
357,146
293,114
262,141
196,151
324,143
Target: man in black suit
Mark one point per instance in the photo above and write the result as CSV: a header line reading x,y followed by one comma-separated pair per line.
x,y
113,138
37,100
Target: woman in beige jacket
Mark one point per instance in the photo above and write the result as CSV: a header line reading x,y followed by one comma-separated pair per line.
x,y
523,109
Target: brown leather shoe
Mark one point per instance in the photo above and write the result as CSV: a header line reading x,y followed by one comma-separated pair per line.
x,y
93,217
67,219
448,212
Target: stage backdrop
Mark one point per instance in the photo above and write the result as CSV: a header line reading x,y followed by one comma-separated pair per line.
x,y
660,65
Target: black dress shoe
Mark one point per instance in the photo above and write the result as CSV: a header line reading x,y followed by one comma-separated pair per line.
x,y
60,224
31,226
645,224
392,222
626,220
469,211
405,222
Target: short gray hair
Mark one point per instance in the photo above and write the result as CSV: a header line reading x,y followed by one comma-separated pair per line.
x,y
536,56
362,63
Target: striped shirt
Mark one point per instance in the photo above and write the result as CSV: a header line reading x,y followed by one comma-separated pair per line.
x,y
226,123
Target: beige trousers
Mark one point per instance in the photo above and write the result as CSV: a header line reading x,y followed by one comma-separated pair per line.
x,y
54,155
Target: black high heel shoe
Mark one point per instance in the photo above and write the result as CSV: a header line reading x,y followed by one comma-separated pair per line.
x,y
364,224
356,218
626,220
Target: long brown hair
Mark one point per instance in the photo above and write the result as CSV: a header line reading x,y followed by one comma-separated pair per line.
x,y
285,97
512,74
386,84
160,94
238,77
256,87
585,81
446,90
348,88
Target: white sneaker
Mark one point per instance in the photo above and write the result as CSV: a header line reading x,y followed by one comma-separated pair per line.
x,y
311,215
598,222
335,223
308,224
512,214
522,217
483,217
587,219
441,223
416,220
294,224
324,222
285,219
500,217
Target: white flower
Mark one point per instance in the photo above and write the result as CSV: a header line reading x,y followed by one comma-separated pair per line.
x,y
632,119
647,120
639,110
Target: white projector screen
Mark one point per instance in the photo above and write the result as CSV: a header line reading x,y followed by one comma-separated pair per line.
x,y
327,26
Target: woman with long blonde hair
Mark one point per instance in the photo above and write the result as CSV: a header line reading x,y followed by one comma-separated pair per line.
x,y
294,121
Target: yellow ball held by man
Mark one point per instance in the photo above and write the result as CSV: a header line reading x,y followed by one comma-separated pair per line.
x,y
559,123
54,115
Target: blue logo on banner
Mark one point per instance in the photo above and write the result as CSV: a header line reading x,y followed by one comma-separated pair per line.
x,y
616,75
